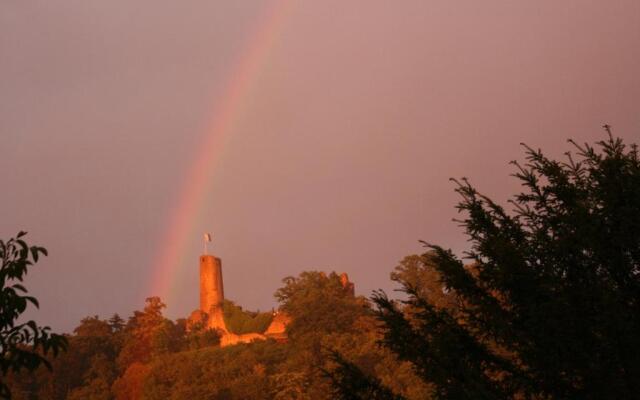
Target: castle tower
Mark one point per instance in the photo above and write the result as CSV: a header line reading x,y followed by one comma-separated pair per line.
x,y
211,289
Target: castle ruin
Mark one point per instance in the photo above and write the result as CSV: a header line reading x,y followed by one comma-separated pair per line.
x,y
211,312
210,315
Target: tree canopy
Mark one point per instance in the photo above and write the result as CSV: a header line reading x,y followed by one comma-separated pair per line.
x,y
22,345
546,303
152,357
240,321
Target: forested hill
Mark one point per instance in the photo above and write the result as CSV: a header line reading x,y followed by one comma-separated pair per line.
x,y
151,357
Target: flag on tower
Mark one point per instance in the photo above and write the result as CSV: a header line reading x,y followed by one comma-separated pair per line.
x,y
207,239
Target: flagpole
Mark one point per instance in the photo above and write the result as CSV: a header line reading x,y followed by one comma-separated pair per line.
x,y
207,238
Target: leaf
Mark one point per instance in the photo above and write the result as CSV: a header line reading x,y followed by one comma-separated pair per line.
x,y
33,301
20,288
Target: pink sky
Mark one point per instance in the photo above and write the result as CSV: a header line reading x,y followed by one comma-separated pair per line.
x,y
344,144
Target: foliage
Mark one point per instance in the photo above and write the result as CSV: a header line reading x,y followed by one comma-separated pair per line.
x,y
22,345
87,367
328,319
235,372
549,306
377,364
197,336
240,321
350,383
419,272
97,380
116,323
130,386
151,357
148,334
318,304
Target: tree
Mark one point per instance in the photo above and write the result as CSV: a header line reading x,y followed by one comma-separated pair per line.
x,y
319,305
418,271
369,370
98,380
549,304
352,384
234,372
116,323
240,321
147,333
130,386
22,345
93,327
88,369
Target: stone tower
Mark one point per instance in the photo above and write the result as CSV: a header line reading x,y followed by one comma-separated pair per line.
x,y
212,291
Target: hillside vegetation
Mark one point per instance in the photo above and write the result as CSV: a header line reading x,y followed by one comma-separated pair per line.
x,y
240,321
151,357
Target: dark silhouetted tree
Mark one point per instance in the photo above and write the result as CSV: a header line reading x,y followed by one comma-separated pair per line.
x,y
22,345
350,383
548,305
116,323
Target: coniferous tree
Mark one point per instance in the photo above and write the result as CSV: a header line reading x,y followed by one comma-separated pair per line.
x,y
351,383
548,303
116,323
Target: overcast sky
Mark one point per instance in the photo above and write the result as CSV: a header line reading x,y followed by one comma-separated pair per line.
x,y
341,156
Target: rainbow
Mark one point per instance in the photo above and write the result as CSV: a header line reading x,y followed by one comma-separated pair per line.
x,y
199,178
